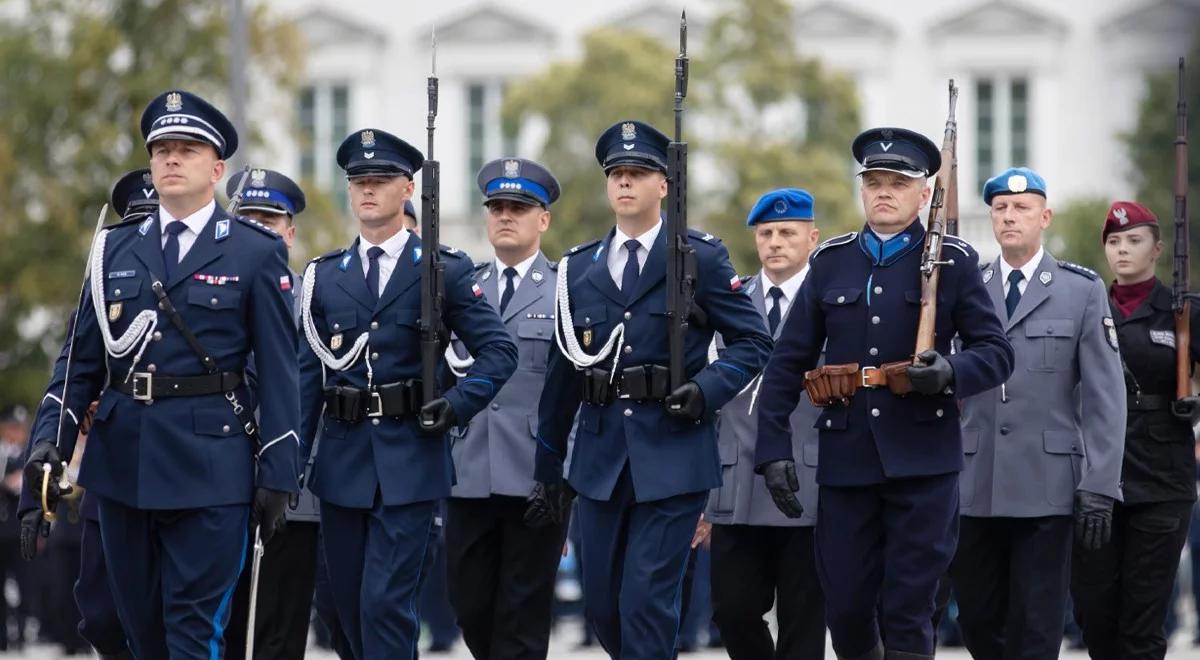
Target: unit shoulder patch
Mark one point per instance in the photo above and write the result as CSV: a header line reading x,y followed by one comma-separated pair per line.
x,y
1082,270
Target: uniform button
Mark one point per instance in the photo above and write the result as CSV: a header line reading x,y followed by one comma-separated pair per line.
x,y
157,336
374,325
940,412
116,292
337,326
874,320
1003,430
213,301
874,351
878,290
628,349
829,423
152,368
495,406
874,412
175,386
587,319
375,421
540,332
841,299
374,356
225,429
628,412
628,315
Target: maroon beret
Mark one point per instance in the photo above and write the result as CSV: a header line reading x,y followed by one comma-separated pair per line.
x,y
1123,216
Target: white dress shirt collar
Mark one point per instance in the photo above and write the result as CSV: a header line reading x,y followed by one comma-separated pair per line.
x,y
646,239
790,286
392,247
1028,269
521,268
195,222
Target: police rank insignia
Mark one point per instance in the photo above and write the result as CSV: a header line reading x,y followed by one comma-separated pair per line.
x,y
536,276
258,178
1110,331
1162,338
487,274
222,229
335,342
174,102
114,311
1044,277
587,337
628,131
512,169
367,139
987,276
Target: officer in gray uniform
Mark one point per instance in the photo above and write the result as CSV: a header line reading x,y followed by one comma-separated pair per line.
x,y
1046,445
760,557
501,571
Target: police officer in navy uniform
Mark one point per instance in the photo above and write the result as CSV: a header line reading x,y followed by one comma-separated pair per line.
x,y
644,457
501,572
1026,484
174,304
887,519
379,474
1122,590
760,557
289,564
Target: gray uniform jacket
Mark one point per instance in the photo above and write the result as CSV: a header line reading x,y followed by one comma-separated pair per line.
x,y
742,498
1058,424
494,454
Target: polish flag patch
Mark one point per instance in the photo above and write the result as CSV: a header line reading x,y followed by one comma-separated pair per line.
x,y
735,283
476,290
285,282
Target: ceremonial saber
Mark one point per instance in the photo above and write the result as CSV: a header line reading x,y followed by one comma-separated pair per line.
x,y
255,567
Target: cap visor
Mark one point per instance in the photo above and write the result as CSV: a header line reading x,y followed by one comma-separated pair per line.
x,y
263,208
908,173
514,197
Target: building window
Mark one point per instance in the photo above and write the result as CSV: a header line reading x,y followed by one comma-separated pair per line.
x,y
324,122
486,138
1001,125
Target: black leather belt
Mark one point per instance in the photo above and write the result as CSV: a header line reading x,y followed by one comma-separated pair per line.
x,y
1148,402
649,382
353,404
145,386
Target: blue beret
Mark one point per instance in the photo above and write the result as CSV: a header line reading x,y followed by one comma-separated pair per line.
x,y
519,180
267,190
1012,181
897,150
179,115
372,152
409,209
133,194
632,143
782,204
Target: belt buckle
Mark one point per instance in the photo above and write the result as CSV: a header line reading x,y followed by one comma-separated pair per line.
x,y
863,378
375,405
142,386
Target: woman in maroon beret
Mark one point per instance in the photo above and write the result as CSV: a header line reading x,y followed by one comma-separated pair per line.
x,y
1122,591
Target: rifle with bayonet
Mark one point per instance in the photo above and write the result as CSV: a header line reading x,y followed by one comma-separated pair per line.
x,y
433,288
1180,296
952,185
681,256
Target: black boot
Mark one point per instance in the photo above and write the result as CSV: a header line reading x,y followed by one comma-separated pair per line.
x,y
874,654
905,655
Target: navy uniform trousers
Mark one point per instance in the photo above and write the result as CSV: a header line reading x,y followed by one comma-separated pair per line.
x,y
99,623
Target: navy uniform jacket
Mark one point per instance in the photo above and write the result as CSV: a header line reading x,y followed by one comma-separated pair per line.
x,y
864,298
187,452
743,498
667,456
384,454
493,455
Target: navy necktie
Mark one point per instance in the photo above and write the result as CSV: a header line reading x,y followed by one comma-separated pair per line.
x,y
630,277
1014,291
510,286
773,316
373,270
171,247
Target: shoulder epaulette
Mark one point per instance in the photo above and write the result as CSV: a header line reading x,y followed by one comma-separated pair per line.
x,y
451,251
128,222
580,248
984,265
328,255
258,225
704,236
958,244
1082,270
833,242
552,265
481,265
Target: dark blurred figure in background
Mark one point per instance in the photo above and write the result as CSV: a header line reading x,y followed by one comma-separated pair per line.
x,y
14,430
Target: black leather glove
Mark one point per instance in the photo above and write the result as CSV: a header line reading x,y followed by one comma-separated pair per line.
x,y
1093,519
687,401
549,504
33,525
45,453
267,510
933,375
437,416
783,485
1186,408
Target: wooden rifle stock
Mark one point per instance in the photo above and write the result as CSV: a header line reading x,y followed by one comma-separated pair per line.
x,y
1180,285
931,257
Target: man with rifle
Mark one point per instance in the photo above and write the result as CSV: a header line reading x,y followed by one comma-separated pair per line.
x,y
384,461
890,444
645,453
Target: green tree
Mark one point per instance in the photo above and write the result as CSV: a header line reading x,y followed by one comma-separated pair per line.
x,y
74,78
1152,150
1074,234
